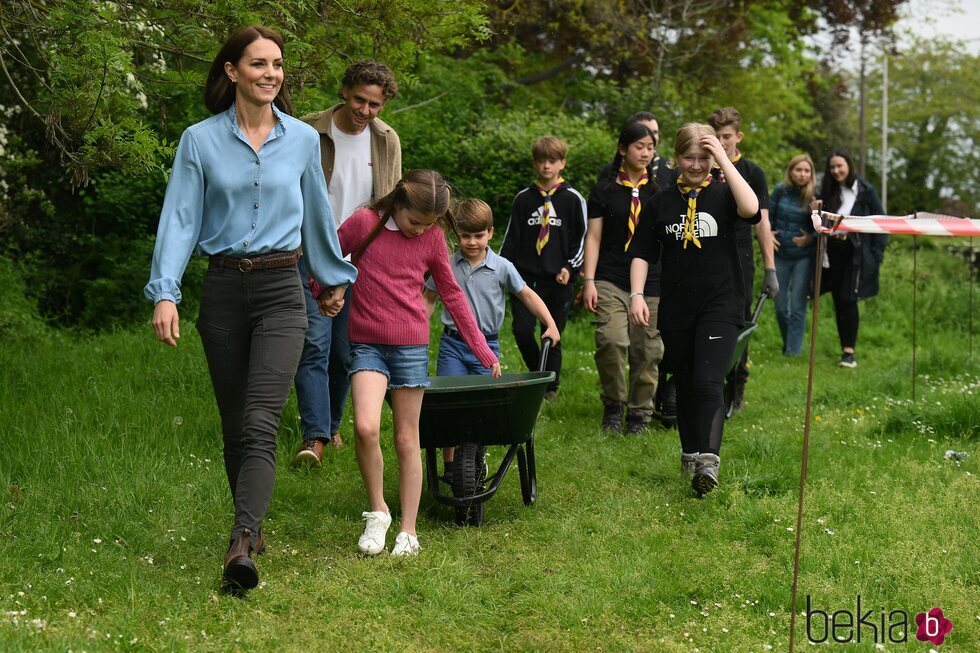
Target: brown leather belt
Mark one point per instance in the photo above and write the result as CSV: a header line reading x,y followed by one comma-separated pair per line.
x,y
270,261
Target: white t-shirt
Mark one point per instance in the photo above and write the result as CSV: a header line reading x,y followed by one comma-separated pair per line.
x,y
352,182
847,198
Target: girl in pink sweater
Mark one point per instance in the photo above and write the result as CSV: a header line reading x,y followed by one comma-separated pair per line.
x,y
393,245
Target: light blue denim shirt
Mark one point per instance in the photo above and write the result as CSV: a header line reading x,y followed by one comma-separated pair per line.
x,y
225,198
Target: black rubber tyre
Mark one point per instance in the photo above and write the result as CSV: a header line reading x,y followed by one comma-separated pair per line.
x,y
469,475
525,465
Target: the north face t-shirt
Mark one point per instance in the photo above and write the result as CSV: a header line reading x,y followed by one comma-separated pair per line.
x,y
697,284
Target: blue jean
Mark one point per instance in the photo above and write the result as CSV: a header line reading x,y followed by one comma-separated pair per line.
x,y
406,366
791,300
321,379
457,359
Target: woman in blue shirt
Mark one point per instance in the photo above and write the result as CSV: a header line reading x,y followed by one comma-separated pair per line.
x,y
246,188
794,240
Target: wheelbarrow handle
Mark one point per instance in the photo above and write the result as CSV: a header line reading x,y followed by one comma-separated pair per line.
x,y
758,307
545,348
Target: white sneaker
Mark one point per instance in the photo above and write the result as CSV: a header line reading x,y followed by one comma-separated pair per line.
x,y
372,541
405,545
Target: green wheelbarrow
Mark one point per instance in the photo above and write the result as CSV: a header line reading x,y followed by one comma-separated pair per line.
x,y
471,413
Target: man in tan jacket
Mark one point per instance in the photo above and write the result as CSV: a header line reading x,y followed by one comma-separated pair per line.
x,y
362,161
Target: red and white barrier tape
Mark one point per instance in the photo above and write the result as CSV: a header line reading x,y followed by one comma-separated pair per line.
x,y
920,223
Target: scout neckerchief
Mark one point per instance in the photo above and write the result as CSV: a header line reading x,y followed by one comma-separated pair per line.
x,y
721,173
691,193
545,230
624,179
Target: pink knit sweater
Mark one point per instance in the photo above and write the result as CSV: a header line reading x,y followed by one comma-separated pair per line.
x,y
386,302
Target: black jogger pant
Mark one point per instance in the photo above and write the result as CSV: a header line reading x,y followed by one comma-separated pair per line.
x,y
699,360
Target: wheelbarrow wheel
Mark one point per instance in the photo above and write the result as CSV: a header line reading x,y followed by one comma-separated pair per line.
x,y
469,475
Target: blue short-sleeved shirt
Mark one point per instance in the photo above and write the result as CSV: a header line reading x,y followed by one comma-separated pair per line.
x,y
486,287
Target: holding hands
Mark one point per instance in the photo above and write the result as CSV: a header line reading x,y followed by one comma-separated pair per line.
x,y
331,301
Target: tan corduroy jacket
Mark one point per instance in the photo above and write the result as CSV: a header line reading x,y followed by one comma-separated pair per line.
x,y
386,151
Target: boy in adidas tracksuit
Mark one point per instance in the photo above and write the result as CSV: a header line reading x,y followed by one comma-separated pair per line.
x,y
546,242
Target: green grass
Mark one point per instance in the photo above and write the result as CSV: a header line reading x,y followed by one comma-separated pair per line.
x,y
115,510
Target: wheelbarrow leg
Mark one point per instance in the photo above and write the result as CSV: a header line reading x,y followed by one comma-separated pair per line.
x,y
528,472
432,471
525,453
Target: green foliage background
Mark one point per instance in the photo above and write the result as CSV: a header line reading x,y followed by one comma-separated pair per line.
x,y
93,97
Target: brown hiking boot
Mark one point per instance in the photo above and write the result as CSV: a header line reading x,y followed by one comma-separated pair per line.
x,y
240,574
336,441
310,453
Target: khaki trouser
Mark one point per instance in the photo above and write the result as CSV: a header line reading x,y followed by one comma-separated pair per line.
x,y
617,342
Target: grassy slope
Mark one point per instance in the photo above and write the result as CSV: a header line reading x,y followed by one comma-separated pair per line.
x,y
115,511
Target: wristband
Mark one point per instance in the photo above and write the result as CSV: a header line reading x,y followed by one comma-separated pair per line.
x,y
636,294
587,280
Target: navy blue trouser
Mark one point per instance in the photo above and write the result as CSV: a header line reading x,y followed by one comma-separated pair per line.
x,y
558,299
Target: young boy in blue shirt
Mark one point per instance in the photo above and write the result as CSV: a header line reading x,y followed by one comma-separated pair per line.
x,y
486,279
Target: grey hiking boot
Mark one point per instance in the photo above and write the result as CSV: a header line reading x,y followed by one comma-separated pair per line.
x,y
706,473
612,416
689,464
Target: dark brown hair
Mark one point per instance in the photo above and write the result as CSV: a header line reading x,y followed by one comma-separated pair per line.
x,y
830,187
424,191
724,117
473,216
219,92
370,72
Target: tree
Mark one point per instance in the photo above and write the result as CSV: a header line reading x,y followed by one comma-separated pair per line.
x,y
98,77
933,127
94,95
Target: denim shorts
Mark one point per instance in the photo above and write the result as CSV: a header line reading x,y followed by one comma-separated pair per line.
x,y
406,366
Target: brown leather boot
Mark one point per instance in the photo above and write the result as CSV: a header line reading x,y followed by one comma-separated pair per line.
x,y
240,574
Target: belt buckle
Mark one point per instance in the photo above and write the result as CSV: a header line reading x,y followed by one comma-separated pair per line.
x,y
245,265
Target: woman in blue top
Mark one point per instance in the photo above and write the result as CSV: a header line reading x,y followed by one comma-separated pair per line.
x,y
246,187
794,240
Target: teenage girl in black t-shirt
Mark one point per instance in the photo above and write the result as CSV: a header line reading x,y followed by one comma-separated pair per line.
x,y
614,211
690,228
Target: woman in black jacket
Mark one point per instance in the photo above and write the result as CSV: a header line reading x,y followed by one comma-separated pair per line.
x,y
854,259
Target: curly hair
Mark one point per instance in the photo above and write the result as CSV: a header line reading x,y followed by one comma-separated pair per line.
x,y
371,72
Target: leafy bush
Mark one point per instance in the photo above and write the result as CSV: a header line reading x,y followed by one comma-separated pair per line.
x,y
18,314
